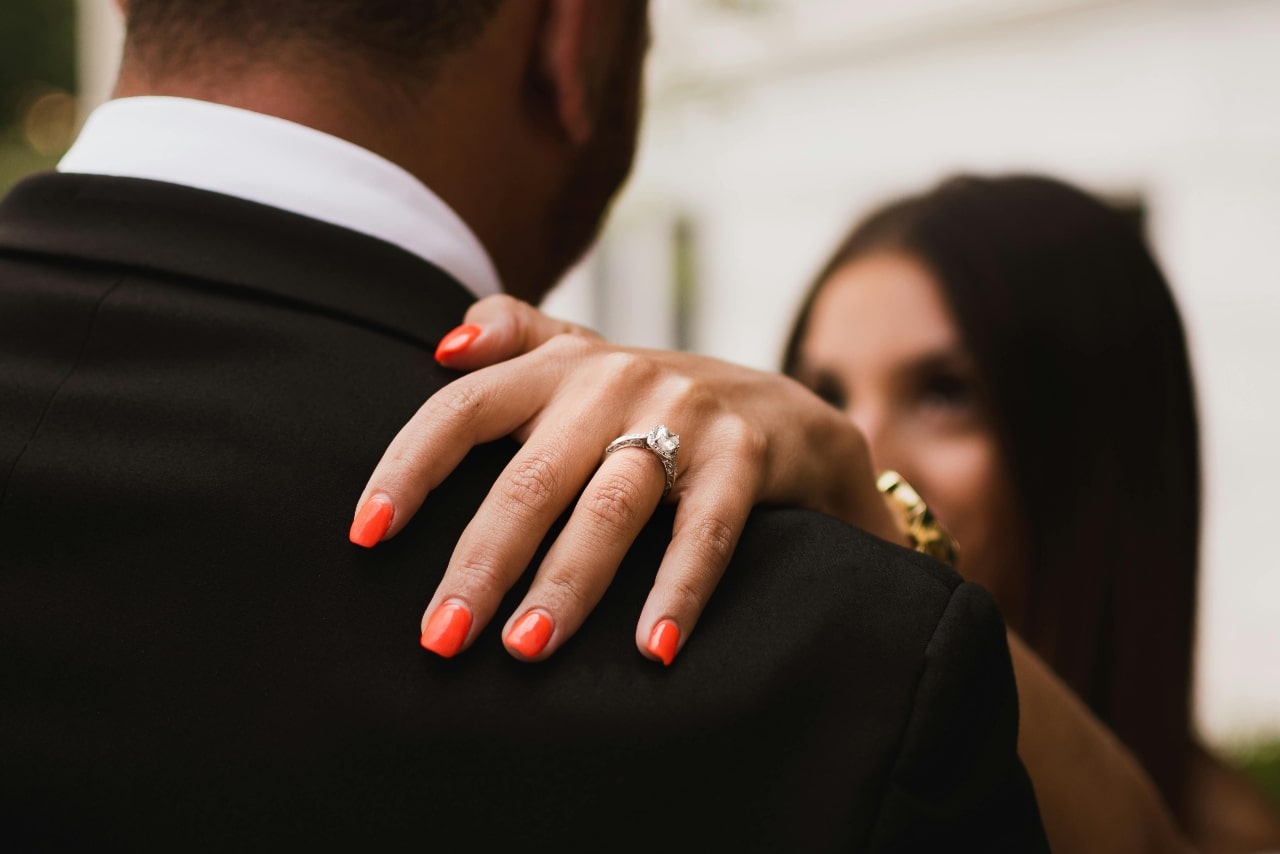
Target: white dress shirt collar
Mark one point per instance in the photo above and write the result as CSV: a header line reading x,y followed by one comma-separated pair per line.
x,y
283,164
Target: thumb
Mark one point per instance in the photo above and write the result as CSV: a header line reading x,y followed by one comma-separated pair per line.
x,y
498,328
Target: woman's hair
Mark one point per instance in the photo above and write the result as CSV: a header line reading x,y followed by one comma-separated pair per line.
x,y
1081,350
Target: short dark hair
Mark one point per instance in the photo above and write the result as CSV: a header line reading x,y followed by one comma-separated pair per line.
x,y
398,33
1081,349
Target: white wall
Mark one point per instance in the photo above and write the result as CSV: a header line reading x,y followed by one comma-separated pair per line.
x,y
774,140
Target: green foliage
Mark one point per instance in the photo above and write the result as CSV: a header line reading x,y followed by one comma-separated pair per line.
x,y
37,52
37,46
1261,760
17,159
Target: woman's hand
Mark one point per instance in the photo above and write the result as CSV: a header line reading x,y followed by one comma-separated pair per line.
x,y
746,437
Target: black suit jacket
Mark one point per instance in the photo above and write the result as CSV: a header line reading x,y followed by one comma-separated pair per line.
x,y
193,391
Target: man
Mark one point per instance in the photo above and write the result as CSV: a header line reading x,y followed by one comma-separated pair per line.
x,y
211,322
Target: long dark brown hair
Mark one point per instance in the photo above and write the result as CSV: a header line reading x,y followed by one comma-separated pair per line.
x,y
1081,349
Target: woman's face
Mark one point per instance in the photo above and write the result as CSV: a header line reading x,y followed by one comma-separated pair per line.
x,y
881,345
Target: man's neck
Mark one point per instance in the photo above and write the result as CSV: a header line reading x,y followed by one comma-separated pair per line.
x,y
464,155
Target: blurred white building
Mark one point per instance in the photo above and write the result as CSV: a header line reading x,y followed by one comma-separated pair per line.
x,y
772,124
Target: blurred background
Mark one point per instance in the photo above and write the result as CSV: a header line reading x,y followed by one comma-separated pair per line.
x,y
38,84
772,124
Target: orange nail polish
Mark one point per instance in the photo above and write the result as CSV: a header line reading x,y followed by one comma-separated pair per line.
x,y
457,341
372,522
447,629
664,639
530,634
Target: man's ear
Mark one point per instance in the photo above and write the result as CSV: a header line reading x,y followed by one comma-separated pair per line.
x,y
568,58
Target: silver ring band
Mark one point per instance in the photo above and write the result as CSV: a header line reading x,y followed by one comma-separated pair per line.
x,y
664,444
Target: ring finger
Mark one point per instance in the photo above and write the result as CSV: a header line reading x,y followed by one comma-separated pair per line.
x,y
616,504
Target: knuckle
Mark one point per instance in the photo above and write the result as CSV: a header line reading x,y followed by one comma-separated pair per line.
x,y
589,335
398,476
478,571
625,368
686,594
745,439
617,500
849,442
713,540
531,483
506,302
400,459
567,590
693,397
684,391
405,467
496,307
461,401
566,345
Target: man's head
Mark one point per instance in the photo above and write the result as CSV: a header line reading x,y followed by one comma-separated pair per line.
x,y
522,114
177,36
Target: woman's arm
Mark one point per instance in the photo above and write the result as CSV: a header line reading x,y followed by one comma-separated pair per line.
x,y
1094,796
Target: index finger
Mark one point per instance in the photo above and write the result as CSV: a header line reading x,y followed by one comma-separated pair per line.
x,y
470,411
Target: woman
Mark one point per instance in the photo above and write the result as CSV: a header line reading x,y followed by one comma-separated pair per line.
x,y
1023,349
1011,348
1044,372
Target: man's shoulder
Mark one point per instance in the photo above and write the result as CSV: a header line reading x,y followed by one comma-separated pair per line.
x,y
819,562
202,245
870,681
819,541
808,596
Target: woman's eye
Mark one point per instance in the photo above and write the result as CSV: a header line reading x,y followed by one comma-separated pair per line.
x,y
947,393
827,388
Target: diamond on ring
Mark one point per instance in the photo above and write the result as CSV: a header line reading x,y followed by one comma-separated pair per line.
x,y
664,444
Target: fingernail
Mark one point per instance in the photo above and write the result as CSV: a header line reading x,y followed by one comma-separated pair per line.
x,y
457,341
447,629
372,522
664,639
530,634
